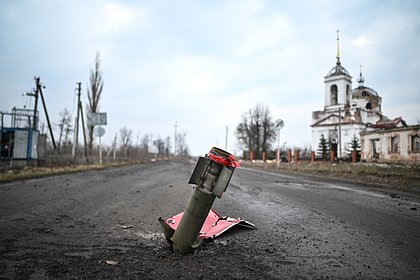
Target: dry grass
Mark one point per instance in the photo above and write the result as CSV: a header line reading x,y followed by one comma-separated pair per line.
x,y
27,172
398,177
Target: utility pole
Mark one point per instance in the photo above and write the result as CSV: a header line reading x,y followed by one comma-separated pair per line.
x,y
84,131
76,125
115,147
34,94
61,126
38,91
35,108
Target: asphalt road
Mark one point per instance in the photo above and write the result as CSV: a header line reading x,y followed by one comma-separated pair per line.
x,y
103,224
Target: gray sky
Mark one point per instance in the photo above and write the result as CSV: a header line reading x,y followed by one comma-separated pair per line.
x,y
204,63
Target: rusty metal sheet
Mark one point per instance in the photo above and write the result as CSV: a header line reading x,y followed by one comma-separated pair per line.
x,y
213,226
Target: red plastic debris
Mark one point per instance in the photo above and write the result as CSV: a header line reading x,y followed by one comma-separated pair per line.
x,y
213,226
223,161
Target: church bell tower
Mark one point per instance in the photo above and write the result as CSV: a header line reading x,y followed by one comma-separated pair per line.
x,y
338,85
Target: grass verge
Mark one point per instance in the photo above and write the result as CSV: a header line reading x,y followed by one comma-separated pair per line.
x,y
29,172
392,177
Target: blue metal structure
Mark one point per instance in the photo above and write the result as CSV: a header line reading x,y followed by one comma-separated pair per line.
x,y
18,136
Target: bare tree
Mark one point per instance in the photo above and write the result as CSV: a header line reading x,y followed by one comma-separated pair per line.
x,y
268,129
145,142
182,144
67,132
65,127
256,130
168,146
125,139
94,95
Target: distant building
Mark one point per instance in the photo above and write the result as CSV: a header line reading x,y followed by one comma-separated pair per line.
x,y
398,144
20,140
347,112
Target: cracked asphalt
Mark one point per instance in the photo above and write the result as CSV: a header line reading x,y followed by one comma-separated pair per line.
x,y
103,225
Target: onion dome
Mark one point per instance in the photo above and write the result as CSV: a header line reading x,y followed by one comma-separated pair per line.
x,y
363,90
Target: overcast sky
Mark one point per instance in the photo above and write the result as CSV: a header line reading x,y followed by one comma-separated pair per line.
x,y
204,63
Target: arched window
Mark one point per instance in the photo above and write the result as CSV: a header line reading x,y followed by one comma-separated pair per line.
x,y
415,143
394,144
368,106
347,94
334,92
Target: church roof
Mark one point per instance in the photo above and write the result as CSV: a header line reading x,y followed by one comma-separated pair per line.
x,y
361,91
338,70
388,124
332,120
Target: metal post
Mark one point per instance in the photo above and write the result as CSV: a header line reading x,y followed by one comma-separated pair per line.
x,y
339,133
278,149
279,124
100,148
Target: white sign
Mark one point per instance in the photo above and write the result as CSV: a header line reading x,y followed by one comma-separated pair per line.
x,y
97,119
99,131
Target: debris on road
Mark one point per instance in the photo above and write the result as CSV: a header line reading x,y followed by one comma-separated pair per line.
x,y
213,226
127,226
393,195
111,262
212,175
